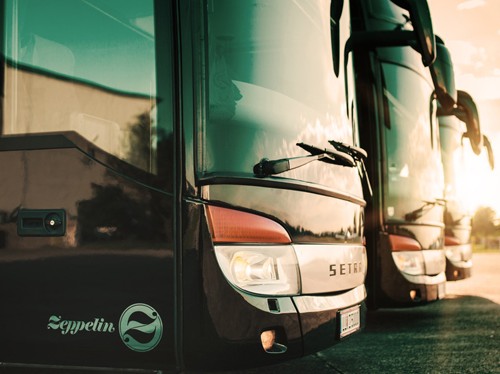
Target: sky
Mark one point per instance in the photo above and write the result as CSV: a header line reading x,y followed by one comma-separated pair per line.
x,y
471,31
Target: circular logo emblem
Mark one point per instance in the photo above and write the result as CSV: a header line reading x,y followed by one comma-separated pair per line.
x,y
140,327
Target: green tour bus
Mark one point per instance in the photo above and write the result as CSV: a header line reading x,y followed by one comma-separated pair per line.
x,y
392,46
461,140
171,198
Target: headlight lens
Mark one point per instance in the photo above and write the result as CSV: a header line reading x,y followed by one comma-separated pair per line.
x,y
409,262
252,268
267,270
459,253
454,254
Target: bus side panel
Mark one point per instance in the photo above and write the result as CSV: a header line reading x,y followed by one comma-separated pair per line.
x,y
101,294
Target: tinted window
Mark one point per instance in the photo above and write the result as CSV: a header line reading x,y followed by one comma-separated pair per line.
x,y
87,66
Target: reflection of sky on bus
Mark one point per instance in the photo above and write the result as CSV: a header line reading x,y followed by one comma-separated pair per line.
x,y
79,51
471,30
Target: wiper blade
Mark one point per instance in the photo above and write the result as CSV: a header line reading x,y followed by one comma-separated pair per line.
x,y
337,157
357,153
266,167
419,212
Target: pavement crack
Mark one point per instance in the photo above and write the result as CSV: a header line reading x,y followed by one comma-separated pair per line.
x,y
327,363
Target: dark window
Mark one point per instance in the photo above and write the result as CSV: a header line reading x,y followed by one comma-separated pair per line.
x,y
90,67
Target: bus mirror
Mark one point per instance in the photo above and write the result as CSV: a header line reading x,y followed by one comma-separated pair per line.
x,y
444,79
421,38
466,111
489,149
420,16
336,7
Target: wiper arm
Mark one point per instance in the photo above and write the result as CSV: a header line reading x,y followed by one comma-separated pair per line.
x,y
266,167
419,212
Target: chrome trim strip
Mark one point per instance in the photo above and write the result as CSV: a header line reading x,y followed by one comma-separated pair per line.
x,y
462,264
281,183
311,304
261,302
428,280
308,304
434,261
421,224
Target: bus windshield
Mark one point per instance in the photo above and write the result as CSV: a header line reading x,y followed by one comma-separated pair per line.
x,y
414,168
272,84
457,155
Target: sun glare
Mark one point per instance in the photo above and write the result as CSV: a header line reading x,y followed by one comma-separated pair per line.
x,y
478,185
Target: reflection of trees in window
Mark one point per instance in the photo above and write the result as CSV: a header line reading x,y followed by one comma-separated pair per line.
x,y
448,222
342,235
151,149
165,159
483,223
223,93
118,213
115,215
141,151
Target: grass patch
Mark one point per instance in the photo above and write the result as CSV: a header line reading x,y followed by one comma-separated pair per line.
x,y
482,248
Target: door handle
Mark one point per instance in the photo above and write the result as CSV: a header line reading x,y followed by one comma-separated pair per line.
x,y
41,222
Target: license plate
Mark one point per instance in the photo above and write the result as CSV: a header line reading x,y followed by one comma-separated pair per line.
x,y
441,290
350,321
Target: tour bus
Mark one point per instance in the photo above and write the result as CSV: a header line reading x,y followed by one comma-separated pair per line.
x,y
461,139
170,198
398,128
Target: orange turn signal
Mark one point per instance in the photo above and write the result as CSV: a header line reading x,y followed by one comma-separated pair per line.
x,y
451,240
234,226
404,243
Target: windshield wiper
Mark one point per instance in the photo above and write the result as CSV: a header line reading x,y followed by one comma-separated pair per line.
x,y
336,156
266,167
359,155
419,212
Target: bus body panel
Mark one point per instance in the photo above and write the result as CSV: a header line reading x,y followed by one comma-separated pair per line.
x,y
64,297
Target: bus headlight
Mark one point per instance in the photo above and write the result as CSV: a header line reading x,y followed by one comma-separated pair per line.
x,y
454,254
411,262
459,253
267,270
